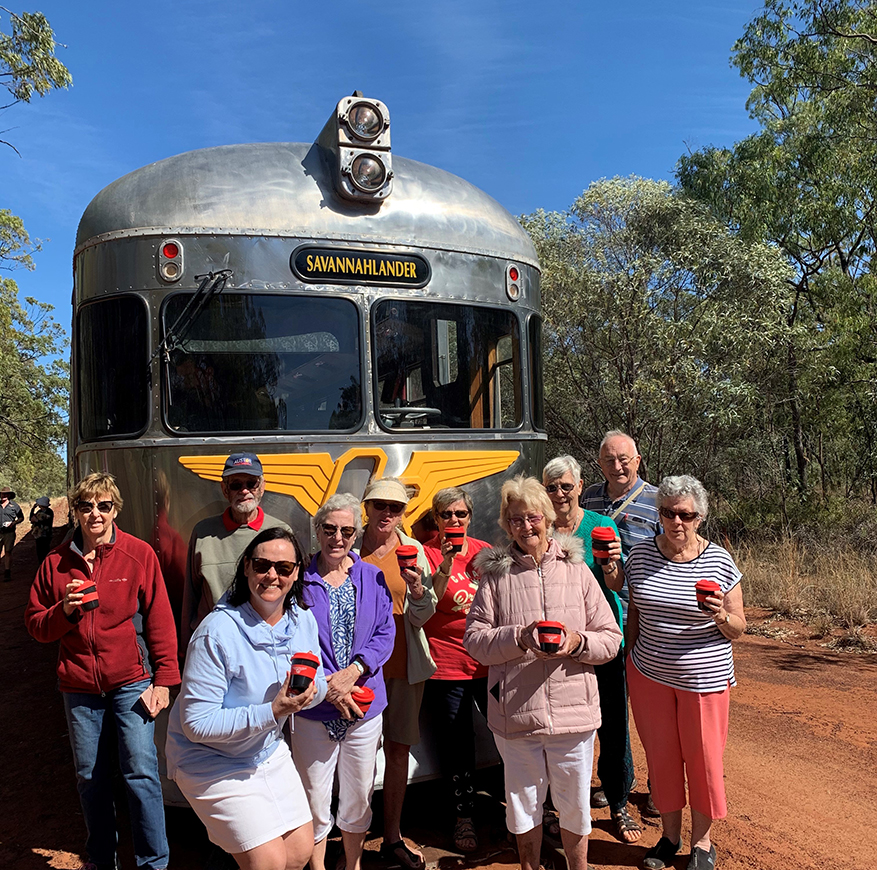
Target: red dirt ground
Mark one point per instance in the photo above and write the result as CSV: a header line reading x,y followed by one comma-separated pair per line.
x,y
801,763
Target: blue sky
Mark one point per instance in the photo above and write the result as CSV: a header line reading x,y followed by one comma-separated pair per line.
x,y
531,101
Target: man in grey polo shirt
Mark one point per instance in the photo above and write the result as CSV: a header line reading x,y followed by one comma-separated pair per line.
x,y
630,501
217,542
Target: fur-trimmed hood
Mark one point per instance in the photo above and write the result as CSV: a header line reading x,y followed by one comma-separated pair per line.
x,y
497,561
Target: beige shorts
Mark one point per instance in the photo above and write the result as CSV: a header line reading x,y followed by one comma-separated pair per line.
x,y
402,716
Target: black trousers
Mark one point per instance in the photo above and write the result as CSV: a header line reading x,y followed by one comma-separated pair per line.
x,y
615,763
450,704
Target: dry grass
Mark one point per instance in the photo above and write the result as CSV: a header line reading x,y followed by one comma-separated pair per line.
x,y
824,587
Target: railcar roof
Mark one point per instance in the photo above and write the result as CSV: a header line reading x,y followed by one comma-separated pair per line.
x,y
284,189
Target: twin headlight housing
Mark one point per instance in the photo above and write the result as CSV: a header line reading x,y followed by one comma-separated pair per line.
x,y
358,137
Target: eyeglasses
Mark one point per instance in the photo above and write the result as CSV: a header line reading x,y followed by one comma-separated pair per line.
x,y
460,515
238,485
552,488
330,531
685,516
532,519
283,568
623,461
392,506
86,507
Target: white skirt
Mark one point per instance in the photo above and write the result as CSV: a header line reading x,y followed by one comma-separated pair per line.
x,y
247,809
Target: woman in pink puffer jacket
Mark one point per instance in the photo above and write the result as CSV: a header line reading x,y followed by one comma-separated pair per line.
x,y
543,708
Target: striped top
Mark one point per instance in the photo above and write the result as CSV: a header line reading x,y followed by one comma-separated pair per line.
x,y
679,645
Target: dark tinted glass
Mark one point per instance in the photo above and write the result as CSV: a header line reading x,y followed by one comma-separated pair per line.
x,y
112,358
446,366
537,398
258,363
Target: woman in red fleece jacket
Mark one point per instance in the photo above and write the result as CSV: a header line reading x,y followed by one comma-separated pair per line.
x,y
116,664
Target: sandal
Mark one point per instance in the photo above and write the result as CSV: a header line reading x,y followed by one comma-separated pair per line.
x,y
398,854
625,824
465,838
661,855
550,821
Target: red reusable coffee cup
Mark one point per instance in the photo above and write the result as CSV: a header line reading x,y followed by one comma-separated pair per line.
x,y
550,634
703,588
601,538
456,537
89,597
303,669
407,556
362,697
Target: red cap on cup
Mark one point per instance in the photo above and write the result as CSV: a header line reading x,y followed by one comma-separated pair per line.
x,y
407,555
703,588
601,538
362,696
90,598
550,635
303,669
456,537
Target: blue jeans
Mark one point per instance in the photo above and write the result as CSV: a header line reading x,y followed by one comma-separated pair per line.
x,y
90,721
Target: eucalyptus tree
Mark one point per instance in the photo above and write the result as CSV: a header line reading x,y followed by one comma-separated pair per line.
x,y
659,321
33,395
807,183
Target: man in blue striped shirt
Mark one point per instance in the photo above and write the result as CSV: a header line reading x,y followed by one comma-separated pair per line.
x,y
630,502
625,497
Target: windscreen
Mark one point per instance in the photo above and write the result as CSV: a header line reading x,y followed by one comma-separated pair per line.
x,y
262,363
113,371
446,366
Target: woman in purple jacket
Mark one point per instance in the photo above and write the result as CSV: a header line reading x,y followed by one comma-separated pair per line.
x,y
354,613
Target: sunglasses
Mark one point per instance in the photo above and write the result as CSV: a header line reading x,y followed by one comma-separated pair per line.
x,y
685,516
551,488
460,515
86,507
532,519
283,567
330,531
392,506
251,484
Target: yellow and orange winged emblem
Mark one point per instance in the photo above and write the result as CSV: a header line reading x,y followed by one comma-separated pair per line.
x,y
311,478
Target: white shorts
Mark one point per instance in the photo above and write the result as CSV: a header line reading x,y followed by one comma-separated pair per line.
x,y
242,811
355,758
532,763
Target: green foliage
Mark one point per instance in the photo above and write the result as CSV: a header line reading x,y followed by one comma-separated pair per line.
x,y
659,321
27,58
33,399
807,183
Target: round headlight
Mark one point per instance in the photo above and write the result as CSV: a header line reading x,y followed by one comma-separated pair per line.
x,y
368,173
365,121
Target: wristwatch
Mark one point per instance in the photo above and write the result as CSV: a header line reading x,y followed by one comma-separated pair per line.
x,y
726,620
359,665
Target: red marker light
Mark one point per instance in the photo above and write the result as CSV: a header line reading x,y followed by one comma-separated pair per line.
x,y
170,250
513,273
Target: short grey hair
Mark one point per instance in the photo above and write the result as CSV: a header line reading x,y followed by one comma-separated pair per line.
x,y
617,433
684,486
559,466
341,501
444,498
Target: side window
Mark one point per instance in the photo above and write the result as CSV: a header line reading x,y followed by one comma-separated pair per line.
x,y
537,397
446,366
112,363
257,363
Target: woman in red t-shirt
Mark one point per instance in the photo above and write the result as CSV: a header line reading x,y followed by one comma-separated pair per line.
x,y
459,680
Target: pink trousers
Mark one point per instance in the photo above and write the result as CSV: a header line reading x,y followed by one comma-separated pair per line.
x,y
684,734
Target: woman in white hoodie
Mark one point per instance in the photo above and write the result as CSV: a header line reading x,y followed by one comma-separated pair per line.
x,y
225,748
